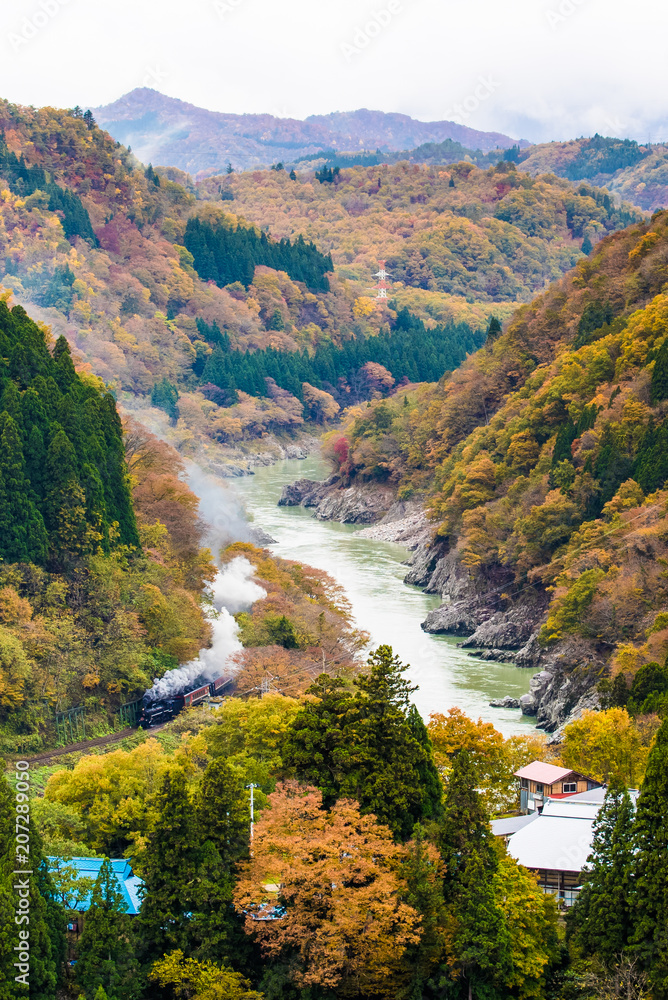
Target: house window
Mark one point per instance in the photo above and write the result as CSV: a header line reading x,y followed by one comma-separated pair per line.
x,y
570,786
539,788
524,782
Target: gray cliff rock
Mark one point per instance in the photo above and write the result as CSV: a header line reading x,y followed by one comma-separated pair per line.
x,y
332,500
507,702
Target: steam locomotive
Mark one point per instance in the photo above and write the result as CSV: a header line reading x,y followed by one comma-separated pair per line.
x,y
154,712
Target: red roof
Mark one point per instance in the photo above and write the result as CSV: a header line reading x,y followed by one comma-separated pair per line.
x,y
545,774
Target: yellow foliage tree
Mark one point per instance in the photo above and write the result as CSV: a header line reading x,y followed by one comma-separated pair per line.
x,y
606,744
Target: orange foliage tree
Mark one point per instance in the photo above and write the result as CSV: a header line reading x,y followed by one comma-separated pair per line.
x,y
329,882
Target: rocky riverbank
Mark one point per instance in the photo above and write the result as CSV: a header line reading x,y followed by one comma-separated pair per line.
x,y
494,619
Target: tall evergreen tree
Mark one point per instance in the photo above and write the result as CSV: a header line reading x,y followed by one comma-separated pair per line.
x,y
370,747
169,867
659,387
480,943
316,746
465,827
103,956
600,922
649,872
224,827
22,533
41,966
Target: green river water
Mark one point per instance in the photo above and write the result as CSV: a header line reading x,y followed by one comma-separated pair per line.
x,y
372,574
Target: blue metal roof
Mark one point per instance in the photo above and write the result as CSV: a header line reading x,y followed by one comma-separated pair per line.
x,y
129,885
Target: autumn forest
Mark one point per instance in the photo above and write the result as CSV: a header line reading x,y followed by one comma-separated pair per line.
x,y
510,395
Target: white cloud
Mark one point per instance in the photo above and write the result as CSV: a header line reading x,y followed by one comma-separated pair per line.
x,y
565,67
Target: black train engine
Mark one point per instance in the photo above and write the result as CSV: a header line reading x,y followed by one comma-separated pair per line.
x,y
156,711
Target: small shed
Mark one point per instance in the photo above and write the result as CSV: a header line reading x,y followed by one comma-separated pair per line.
x,y
540,781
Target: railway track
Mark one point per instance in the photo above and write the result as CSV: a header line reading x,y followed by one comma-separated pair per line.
x,y
100,741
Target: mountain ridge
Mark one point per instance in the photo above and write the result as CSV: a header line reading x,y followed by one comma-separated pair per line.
x,y
164,129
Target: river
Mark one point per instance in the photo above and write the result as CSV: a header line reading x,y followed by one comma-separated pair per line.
x,y
372,574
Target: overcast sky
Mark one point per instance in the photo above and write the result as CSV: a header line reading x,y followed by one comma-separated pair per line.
x,y
535,69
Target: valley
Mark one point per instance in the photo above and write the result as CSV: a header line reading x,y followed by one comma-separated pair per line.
x,y
372,573
312,532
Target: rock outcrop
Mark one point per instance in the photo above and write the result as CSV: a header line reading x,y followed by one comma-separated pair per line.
x,y
334,501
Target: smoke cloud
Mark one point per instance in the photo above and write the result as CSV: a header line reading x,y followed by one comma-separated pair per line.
x,y
221,512
233,590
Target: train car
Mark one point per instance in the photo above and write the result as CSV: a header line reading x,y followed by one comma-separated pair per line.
x,y
219,685
196,696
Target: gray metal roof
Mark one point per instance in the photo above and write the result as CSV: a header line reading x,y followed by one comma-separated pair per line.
x,y
506,827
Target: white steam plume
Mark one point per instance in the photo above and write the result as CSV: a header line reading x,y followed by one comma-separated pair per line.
x,y
233,590
221,512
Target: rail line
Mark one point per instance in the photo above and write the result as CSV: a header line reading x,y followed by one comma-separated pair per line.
x,y
84,745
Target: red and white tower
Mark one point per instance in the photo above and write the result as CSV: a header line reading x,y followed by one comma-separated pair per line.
x,y
381,287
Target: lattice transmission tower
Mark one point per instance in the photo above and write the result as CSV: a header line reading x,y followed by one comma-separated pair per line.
x,y
383,277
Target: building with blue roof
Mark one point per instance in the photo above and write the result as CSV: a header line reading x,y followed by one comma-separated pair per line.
x,y
129,885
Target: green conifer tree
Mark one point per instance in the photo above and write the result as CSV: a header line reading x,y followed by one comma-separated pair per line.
x,y
387,762
316,744
103,957
659,387
15,857
494,330
649,872
22,533
600,921
223,825
169,865
465,827
480,945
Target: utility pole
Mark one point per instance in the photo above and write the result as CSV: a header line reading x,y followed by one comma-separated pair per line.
x,y
252,786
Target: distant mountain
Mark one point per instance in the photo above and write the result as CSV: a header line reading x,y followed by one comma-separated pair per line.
x,y
164,130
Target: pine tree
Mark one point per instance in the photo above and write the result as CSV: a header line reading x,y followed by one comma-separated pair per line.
x,y
316,744
587,245
600,921
649,872
168,866
493,330
223,825
22,533
465,827
387,762
430,781
659,388
102,952
480,943
14,857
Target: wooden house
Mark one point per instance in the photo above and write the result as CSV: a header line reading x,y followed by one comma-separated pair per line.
x,y
540,781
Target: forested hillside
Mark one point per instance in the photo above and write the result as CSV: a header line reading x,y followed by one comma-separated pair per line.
x,y
99,591
544,461
637,173
133,268
493,235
